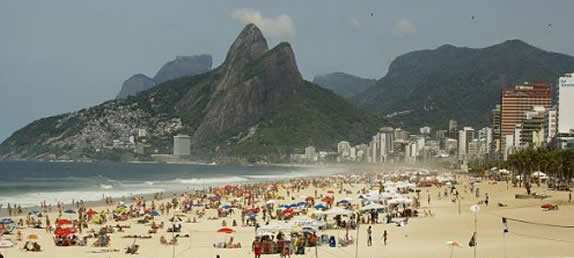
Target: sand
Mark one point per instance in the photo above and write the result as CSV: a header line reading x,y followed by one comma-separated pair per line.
x,y
422,237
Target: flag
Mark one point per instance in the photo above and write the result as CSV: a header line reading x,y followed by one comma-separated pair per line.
x,y
472,242
504,225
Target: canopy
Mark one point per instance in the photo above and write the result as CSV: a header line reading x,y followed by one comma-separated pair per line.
x,y
538,174
337,211
401,200
372,206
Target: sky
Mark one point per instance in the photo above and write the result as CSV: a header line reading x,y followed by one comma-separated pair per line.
x,y
59,56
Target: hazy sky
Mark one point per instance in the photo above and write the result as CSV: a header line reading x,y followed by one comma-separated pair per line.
x,y
62,55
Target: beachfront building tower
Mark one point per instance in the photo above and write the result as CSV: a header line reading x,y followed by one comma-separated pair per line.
x,y
182,145
515,102
566,103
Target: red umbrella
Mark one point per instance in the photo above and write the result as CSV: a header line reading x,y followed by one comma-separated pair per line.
x,y
63,222
64,231
91,212
547,206
288,210
331,191
225,230
309,198
326,199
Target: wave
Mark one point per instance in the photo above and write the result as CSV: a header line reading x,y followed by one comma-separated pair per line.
x,y
211,181
34,199
102,186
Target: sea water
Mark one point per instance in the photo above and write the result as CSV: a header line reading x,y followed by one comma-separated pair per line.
x,y
29,183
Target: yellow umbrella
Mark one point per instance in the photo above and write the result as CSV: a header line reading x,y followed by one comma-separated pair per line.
x,y
32,237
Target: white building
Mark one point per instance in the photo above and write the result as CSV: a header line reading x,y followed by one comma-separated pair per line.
x,y
344,149
550,124
485,140
181,145
425,130
311,153
566,103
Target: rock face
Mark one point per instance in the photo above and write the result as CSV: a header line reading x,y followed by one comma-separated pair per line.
x,y
429,87
183,66
251,81
345,85
180,67
135,84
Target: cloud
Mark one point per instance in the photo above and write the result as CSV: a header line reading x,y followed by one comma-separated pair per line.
x,y
404,28
277,27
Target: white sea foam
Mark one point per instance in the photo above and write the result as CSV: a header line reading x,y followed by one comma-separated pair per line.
x,y
34,199
211,181
103,186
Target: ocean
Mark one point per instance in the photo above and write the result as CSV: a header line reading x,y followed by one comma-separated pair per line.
x,y
30,182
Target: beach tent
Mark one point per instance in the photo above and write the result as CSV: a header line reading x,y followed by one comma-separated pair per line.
x,y
373,206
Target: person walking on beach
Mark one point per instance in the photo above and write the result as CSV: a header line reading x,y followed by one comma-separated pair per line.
x,y
486,199
370,234
570,196
428,200
385,235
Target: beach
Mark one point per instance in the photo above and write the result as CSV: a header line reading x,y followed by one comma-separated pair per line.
x,y
532,231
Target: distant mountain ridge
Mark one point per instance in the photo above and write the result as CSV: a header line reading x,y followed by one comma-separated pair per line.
x,y
343,84
429,87
254,106
181,66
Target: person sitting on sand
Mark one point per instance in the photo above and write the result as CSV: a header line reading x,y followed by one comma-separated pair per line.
x,y
162,240
224,223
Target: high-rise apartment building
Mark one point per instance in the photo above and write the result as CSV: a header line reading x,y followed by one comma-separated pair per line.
x,y
515,102
566,103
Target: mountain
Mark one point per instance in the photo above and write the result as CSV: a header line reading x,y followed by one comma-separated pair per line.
x,y
135,84
180,67
254,106
343,84
429,87
184,66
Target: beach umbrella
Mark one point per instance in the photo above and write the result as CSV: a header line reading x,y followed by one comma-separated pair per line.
x,y
283,206
32,237
225,230
326,199
309,198
251,214
91,212
255,210
69,211
64,231
453,244
343,201
320,206
154,213
546,206
226,206
372,206
270,202
301,204
35,212
287,211
6,221
63,222
331,192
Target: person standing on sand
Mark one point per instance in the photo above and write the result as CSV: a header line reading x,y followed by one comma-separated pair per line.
x,y
428,200
385,237
370,234
570,196
486,199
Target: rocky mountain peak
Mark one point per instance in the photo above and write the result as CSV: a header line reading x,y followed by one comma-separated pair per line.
x,y
247,47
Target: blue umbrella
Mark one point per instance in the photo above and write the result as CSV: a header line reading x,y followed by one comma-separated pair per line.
x,y
283,206
343,201
34,212
307,229
293,205
6,221
154,213
320,206
227,206
251,214
69,211
301,203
